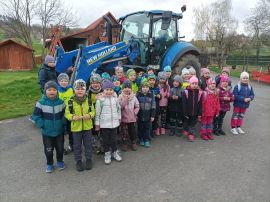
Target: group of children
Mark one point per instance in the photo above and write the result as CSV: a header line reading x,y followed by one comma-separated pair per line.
x,y
97,112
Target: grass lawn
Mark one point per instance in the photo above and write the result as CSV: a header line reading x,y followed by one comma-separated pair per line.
x,y
18,93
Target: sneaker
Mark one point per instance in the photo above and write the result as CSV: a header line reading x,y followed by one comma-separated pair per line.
x,y
204,137
134,147
107,158
61,165
240,131
147,144
210,136
162,131
88,164
191,137
49,169
124,147
116,155
234,131
79,166
221,132
141,143
158,132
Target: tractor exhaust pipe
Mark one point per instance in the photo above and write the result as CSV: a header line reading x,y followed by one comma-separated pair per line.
x,y
108,28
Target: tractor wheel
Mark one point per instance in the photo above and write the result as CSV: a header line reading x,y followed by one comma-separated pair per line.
x,y
187,60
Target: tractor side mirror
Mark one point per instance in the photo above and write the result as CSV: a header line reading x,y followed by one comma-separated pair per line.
x,y
183,8
166,20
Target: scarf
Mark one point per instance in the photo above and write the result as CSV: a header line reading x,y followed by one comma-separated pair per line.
x,y
80,100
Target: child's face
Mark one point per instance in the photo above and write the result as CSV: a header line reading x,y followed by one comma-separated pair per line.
x,y
206,75
51,63
140,73
63,83
224,84
51,93
132,77
168,74
150,71
145,89
245,80
192,74
176,83
80,92
193,85
127,91
225,74
152,82
212,86
162,81
186,77
108,92
119,73
95,85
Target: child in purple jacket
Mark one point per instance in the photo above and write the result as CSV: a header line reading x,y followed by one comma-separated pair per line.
x,y
225,98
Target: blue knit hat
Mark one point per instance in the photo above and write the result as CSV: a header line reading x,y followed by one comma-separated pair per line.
x,y
50,84
48,59
107,84
167,68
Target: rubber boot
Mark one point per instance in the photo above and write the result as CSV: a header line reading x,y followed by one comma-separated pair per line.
x,y
204,136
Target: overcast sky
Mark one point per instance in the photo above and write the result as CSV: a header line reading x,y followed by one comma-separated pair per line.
x,y
89,10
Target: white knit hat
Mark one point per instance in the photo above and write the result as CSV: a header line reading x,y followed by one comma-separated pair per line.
x,y
244,74
184,71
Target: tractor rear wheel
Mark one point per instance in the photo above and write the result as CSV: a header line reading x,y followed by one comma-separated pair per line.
x,y
187,60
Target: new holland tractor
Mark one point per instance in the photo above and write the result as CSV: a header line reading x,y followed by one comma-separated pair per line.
x,y
147,38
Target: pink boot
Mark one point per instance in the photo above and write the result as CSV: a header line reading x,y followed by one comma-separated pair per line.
x,y
191,137
162,131
210,136
204,136
158,132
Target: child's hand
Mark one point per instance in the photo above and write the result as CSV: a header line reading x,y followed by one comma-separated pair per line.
x,y
97,127
247,99
199,118
152,119
175,97
76,118
226,98
158,96
86,117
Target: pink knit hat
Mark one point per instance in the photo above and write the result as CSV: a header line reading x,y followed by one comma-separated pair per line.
x,y
224,79
204,70
210,81
193,79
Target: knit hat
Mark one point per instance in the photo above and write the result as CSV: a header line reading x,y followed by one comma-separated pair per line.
x,y
210,81
184,71
95,78
167,68
130,72
62,76
192,70
127,84
152,76
79,84
244,74
162,75
224,79
119,68
50,84
149,67
145,83
193,79
114,78
107,84
48,59
105,75
204,71
226,69
177,78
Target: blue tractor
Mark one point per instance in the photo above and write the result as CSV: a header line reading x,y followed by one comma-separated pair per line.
x,y
147,38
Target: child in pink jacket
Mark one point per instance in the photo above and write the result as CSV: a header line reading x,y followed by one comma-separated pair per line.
x,y
129,110
164,89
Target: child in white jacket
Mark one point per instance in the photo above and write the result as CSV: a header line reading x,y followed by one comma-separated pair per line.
x,y
108,117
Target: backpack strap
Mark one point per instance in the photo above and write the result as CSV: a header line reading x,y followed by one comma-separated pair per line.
x,y
90,104
70,106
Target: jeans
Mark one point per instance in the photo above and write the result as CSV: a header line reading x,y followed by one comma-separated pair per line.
x,y
49,144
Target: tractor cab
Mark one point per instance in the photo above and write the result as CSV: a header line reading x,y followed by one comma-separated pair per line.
x,y
155,32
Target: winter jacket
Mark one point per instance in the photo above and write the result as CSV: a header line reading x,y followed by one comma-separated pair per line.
x,y
93,95
147,106
65,93
135,88
245,91
225,104
163,102
46,74
108,112
155,90
185,84
175,105
170,82
192,102
48,115
203,83
129,108
210,103
80,110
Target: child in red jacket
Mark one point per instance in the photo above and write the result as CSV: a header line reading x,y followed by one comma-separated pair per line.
x,y
210,109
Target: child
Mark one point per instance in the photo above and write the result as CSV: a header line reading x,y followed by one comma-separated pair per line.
x,y
129,110
108,116
47,72
168,71
80,111
131,75
105,76
192,107
243,94
155,90
65,93
164,89
150,70
146,114
175,105
185,77
192,71
225,72
225,97
49,117
205,76
210,109
119,72
116,83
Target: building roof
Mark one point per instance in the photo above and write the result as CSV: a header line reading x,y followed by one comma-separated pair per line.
x,y
2,43
91,26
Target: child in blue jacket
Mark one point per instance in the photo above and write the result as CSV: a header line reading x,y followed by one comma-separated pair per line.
x,y
243,94
49,117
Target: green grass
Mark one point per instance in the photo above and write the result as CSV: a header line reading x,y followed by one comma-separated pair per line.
x,y
18,93
37,46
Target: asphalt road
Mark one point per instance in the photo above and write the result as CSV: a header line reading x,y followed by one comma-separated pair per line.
x,y
229,168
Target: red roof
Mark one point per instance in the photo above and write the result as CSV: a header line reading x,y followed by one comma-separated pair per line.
x,y
16,42
91,26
